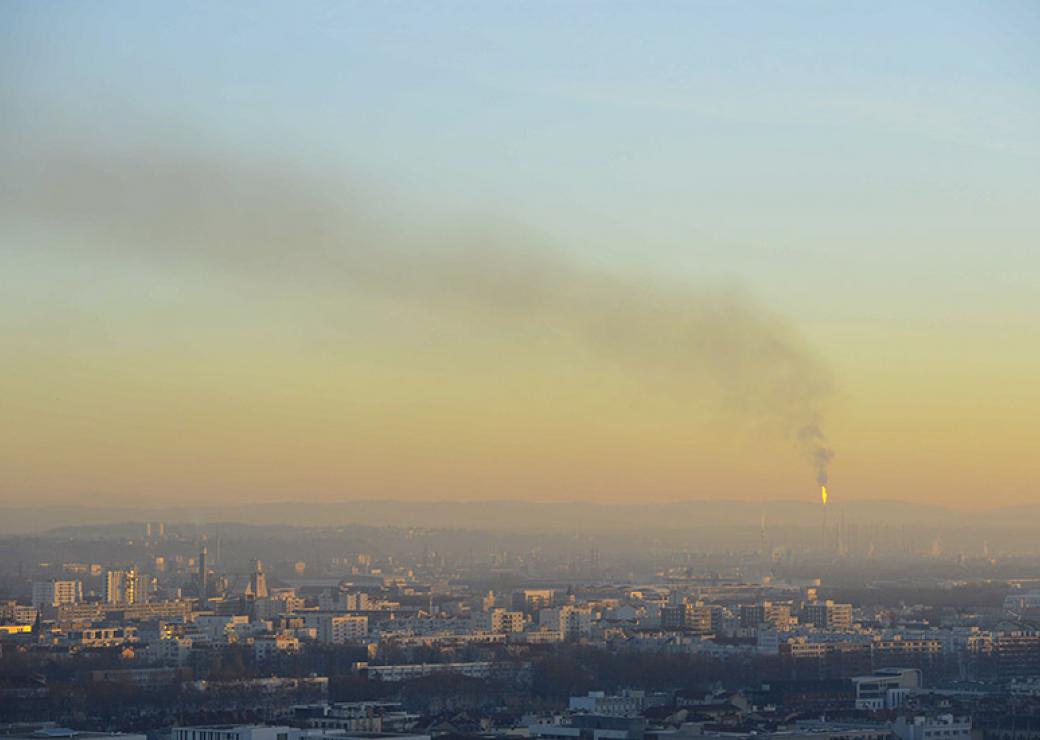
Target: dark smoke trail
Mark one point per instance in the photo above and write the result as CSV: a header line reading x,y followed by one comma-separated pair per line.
x,y
186,212
814,443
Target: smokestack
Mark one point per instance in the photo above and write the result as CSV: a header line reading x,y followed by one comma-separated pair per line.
x,y
203,577
823,531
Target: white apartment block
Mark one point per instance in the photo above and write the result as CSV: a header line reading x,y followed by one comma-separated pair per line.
x,y
337,629
499,620
885,688
258,732
270,646
406,671
219,627
942,727
625,704
170,650
572,622
230,732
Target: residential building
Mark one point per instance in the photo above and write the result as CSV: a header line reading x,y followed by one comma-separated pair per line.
x,y
885,688
56,593
337,629
124,587
625,704
828,615
942,727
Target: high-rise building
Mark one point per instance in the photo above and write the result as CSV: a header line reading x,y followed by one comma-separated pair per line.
x,y
752,615
115,586
203,579
257,587
698,618
125,587
573,622
828,615
56,593
701,619
672,616
135,591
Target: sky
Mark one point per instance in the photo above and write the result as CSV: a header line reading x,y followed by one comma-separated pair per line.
x,y
605,251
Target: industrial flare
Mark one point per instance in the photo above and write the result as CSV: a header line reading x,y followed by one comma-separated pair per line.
x,y
814,444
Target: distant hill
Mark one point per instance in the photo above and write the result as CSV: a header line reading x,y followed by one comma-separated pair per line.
x,y
517,515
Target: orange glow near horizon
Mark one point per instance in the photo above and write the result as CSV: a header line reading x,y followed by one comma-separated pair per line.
x,y
402,267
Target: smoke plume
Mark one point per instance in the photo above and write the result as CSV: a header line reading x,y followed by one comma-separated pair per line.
x,y
187,213
815,445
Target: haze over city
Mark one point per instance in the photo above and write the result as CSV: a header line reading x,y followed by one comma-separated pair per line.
x,y
458,370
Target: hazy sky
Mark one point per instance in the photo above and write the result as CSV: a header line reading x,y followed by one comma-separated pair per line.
x,y
599,251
